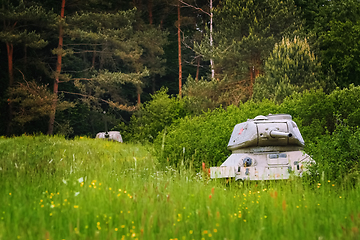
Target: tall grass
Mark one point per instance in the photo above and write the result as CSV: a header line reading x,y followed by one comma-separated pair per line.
x,y
52,188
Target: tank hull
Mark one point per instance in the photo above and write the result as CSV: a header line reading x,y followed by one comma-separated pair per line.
x,y
274,165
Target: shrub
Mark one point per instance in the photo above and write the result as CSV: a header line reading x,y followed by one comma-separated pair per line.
x,y
316,112
153,117
347,104
313,111
204,138
328,124
337,154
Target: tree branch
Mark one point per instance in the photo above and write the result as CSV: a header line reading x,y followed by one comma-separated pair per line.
x,y
189,5
112,104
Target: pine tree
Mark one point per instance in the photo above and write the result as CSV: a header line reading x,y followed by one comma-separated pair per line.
x,y
245,34
291,67
337,29
105,52
333,31
58,70
22,26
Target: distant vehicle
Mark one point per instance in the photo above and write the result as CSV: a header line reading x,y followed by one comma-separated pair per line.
x,y
264,148
111,135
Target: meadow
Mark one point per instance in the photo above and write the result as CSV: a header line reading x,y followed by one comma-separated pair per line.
x,y
53,188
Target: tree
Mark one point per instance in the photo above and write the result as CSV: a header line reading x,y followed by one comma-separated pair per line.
x,y
204,12
32,101
58,70
340,51
179,47
152,117
291,67
309,12
22,26
333,30
244,34
105,51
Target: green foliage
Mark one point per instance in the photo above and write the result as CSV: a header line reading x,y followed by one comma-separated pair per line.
x,y
119,52
316,112
204,138
290,68
32,101
347,104
329,125
25,25
333,28
246,31
202,95
341,50
313,111
113,55
153,117
107,87
309,11
337,154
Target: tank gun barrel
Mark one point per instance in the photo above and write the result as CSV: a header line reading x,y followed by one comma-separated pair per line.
x,y
278,134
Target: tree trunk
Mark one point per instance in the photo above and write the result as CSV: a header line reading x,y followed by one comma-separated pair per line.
x,y
198,68
211,41
179,46
254,72
10,52
150,10
151,20
138,88
252,77
57,73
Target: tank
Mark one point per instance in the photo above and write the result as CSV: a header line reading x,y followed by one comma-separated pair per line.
x,y
111,135
264,148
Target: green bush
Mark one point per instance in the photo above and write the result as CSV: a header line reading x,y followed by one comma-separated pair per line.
x,y
153,117
334,146
204,138
316,112
347,104
313,111
336,154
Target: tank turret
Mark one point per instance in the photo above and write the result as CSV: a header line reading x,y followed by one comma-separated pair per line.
x,y
272,130
266,147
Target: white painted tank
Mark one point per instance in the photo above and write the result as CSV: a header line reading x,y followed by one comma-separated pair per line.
x,y
264,148
111,135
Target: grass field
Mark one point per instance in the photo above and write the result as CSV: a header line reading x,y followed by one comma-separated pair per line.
x,y
52,188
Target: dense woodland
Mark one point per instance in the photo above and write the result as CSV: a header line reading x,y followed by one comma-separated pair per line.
x,y
69,66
